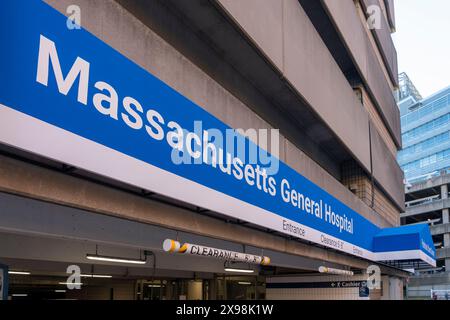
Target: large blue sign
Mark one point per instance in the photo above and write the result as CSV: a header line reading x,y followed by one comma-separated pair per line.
x,y
66,95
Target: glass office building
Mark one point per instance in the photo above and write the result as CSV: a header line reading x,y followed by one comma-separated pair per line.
x,y
426,135
425,159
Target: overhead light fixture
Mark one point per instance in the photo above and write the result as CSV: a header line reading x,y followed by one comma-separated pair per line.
x,y
239,270
244,283
95,276
115,259
25,273
71,283
20,295
60,291
154,286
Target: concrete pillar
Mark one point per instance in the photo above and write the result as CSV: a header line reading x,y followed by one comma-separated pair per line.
x,y
212,294
195,290
140,290
444,191
169,290
445,219
395,288
385,288
445,216
447,265
446,245
447,240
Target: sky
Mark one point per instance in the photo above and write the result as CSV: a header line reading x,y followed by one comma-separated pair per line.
x,y
422,40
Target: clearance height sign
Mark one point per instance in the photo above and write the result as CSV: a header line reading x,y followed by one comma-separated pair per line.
x,y
68,96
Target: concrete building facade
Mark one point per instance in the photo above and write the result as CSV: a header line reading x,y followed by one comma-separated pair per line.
x,y
428,202
315,70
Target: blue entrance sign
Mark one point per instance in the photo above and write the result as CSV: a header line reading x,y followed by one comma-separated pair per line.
x,y
405,243
68,96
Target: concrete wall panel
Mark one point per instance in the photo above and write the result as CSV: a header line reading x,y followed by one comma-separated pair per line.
x,y
348,23
391,12
262,20
386,170
310,67
433,206
385,42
